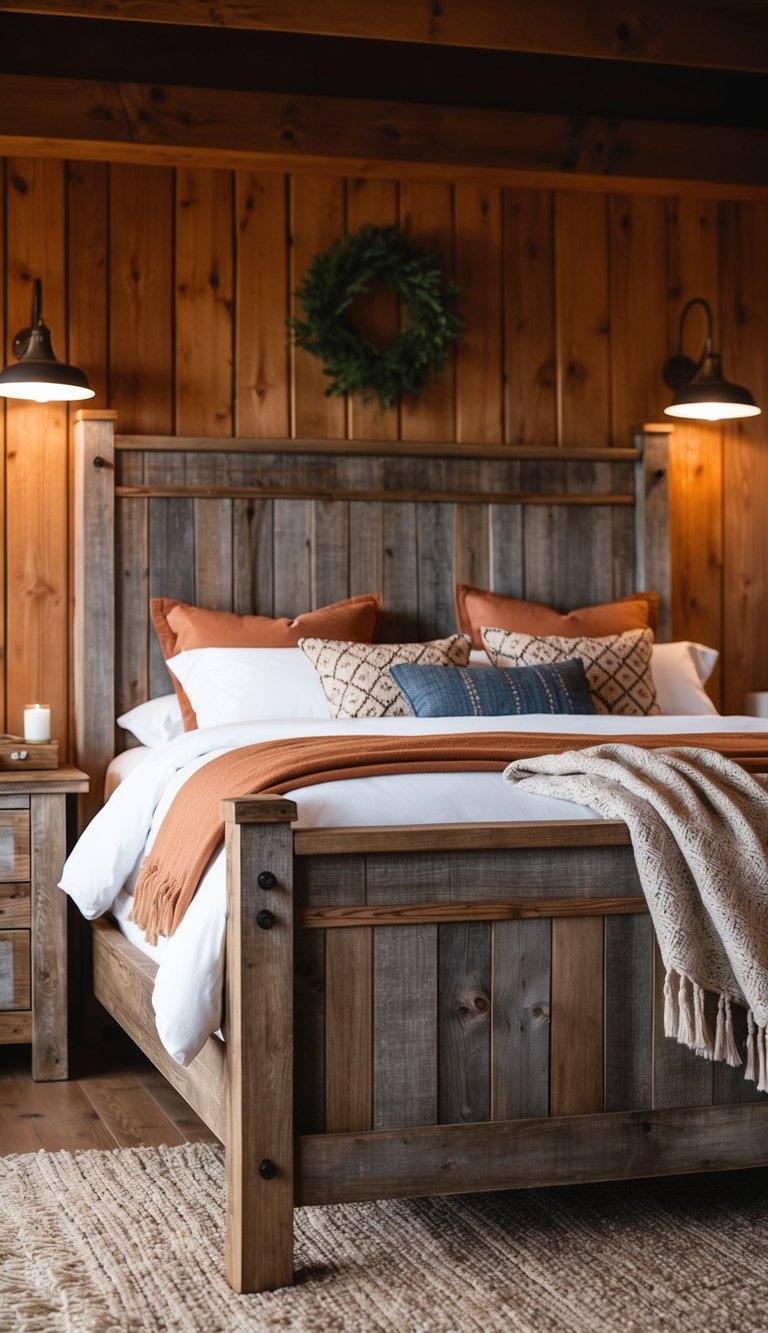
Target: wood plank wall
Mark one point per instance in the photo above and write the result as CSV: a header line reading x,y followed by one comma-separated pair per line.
x,y
171,288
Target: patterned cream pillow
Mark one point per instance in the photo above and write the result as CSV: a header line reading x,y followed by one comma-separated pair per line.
x,y
617,667
356,679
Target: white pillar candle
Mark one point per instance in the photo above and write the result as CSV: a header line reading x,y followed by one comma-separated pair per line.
x,y
37,722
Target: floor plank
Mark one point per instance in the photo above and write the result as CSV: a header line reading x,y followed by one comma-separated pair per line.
x,y
116,1099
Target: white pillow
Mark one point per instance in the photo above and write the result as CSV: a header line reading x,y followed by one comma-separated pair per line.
x,y
155,721
249,684
680,671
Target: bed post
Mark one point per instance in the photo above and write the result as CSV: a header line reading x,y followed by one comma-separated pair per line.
x,y
94,621
652,555
259,1042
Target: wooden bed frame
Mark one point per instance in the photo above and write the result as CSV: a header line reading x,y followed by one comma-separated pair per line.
x,y
433,1009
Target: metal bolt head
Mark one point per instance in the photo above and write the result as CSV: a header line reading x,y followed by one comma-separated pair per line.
x,y
267,881
267,1169
265,920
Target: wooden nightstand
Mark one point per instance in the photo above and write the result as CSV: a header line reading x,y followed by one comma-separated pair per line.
x,y
33,913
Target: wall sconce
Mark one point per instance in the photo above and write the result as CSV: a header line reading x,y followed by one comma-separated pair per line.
x,y
702,394
38,375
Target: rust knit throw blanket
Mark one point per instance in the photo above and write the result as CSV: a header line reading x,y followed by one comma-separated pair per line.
x,y
193,827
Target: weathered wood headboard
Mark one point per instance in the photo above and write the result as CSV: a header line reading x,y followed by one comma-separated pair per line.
x,y
278,526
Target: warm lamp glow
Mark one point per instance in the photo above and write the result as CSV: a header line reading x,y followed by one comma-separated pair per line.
x,y
38,375
702,391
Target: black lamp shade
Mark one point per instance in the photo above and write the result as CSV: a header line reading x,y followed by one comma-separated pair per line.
x,y
37,375
711,397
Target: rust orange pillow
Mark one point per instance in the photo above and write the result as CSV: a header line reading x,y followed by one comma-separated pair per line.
x,y
180,627
476,607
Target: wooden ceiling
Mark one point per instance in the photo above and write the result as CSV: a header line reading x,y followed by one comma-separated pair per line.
x,y
677,91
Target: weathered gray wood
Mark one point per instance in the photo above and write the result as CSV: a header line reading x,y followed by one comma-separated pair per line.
x,y
253,576
366,547
445,449
530,872
326,880
680,1077
214,563
309,1031
132,593
585,582
94,619
15,991
48,841
171,552
576,1083
404,1026
330,552
520,1019
628,1013
464,1007
292,570
653,568
400,621
544,539
472,544
348,1029
434,568
521,1154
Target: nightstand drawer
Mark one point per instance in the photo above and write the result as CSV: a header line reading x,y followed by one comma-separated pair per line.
x,y
15,906
15,990
14,845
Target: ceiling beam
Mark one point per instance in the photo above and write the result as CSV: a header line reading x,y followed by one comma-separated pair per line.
x,y
149,123
717,34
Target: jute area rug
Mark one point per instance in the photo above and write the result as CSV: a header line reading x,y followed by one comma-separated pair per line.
x,y
132,1239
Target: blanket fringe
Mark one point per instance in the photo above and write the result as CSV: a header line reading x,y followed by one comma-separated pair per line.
x,y
154,902
751,1070
685,1019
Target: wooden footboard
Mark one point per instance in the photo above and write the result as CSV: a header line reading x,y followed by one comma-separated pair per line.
x,y
438,1010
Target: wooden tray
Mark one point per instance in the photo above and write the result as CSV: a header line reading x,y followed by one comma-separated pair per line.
x,y
16,753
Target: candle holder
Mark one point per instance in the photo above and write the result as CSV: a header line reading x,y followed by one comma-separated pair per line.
x,y
37,722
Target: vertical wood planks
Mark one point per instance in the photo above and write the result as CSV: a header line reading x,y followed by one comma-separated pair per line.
x,y
317,220
141,377
696,453
581,241
48,838
309,1030
577,1016
376,315
262,401
743,296
427,215
405,1026
37,470
628,1013
680,1077
464,1006
529,318
3,455
348,1056
520,1019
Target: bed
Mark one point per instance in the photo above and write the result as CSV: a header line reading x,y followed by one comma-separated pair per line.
x,y
433,1008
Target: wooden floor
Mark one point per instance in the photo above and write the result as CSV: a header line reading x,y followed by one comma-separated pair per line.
x,y
115,1099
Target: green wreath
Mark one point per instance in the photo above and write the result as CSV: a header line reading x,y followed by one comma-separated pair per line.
x,y
350,267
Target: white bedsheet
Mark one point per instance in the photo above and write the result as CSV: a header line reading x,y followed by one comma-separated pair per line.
x,y
102,869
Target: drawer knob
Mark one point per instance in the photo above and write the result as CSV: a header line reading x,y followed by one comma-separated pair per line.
x,y
19,754
267,1169
265,920
267,881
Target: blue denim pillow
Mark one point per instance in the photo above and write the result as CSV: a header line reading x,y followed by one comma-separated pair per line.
x,y
442,691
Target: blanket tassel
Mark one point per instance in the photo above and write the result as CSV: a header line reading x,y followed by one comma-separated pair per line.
x,y
685,1030
762,1086
671,1015
732,1056
702,1035
751,1070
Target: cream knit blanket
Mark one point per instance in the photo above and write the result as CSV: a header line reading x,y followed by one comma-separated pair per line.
x,y
699,827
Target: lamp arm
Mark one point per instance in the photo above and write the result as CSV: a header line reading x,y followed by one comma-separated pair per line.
x,y
696,300
37,301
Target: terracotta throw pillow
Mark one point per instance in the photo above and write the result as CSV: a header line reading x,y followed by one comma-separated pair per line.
x,y
617,667
476,607
356,676
180,627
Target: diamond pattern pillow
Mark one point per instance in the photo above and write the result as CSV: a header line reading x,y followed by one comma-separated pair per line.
x,y
356,679
617,667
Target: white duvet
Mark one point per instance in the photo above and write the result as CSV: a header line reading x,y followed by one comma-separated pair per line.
x,y
102,869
